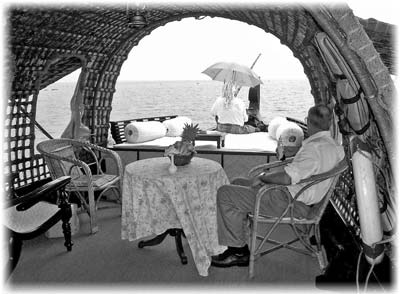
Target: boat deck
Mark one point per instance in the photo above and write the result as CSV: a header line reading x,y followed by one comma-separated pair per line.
x,y
103,258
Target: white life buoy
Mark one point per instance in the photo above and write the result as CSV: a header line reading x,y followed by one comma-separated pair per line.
x,y
367,201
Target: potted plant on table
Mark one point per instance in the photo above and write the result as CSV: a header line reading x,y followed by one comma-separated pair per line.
x,y
181,152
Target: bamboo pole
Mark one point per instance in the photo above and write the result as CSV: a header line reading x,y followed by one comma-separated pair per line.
x,y
42,129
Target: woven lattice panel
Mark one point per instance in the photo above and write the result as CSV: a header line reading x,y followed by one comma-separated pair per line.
x,y
344,202
19,133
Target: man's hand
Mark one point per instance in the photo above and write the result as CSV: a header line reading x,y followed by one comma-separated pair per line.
x,y
257,183
278,177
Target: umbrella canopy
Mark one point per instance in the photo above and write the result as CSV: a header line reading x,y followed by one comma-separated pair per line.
x,y
230,71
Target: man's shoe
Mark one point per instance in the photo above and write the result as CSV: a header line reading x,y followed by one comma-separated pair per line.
x,y
234,259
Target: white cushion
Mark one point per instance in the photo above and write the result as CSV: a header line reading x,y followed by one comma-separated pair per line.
x,y
175,125
138,132
274,125
290,134
259,141
29,220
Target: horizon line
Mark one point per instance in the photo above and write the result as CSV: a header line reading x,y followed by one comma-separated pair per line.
x,y
192,80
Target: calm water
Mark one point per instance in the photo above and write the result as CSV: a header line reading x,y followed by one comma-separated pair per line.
x,y
189,98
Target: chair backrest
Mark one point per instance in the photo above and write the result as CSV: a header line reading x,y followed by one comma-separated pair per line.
x,y
55,151
318,209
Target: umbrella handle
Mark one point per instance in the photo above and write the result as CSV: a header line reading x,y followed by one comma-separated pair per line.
x,y
254,63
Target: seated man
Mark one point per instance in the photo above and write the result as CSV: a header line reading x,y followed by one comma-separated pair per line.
x,y
319,153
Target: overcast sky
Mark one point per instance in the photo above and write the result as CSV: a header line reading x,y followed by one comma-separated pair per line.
x,y
182,50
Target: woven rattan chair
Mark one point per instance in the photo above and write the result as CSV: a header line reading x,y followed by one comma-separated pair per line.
x,y
84,162
30,215
304,229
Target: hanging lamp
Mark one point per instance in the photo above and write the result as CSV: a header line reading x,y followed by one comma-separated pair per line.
x,y
137,20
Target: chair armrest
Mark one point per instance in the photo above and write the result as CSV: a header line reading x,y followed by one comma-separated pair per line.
x,y
310,181
315,179
263,167
39,194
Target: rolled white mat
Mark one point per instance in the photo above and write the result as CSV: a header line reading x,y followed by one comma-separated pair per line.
x,y
139,132
175,125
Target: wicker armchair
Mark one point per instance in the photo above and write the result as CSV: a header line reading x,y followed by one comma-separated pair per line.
x,y
28,215
303,229
84,162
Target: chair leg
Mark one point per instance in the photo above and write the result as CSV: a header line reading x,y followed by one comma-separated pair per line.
x,y
92,212
321,253
15,247
322,260
317,235
120,188
66,214
253,240
116,190
117,193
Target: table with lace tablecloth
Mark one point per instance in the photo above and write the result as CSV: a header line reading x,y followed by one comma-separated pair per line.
x,y
154,200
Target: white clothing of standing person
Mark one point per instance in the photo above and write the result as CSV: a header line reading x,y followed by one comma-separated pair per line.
x,y
230,112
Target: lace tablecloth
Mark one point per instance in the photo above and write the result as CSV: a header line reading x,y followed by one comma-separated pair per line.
x,y
153,200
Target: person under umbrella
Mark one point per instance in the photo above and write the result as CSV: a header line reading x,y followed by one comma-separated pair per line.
x,y
230,111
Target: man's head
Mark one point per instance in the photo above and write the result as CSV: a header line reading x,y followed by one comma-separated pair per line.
x,y
319,119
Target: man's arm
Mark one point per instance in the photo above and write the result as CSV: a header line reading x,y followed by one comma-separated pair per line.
x,y
278,177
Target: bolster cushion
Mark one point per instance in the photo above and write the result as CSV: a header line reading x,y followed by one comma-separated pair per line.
x,y
142,131
175,125
290,134
274,125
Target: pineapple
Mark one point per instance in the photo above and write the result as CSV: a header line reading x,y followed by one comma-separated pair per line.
x,y
189,132
186,145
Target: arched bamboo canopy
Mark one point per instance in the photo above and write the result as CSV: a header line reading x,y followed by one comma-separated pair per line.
x,y
46,43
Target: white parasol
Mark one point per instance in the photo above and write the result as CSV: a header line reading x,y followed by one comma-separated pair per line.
x,y
230,71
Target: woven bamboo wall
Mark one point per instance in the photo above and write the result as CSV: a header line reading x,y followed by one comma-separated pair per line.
x,y
100,35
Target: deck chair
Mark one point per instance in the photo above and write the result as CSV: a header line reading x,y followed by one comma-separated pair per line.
x,y
85,163
304,229
30,215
